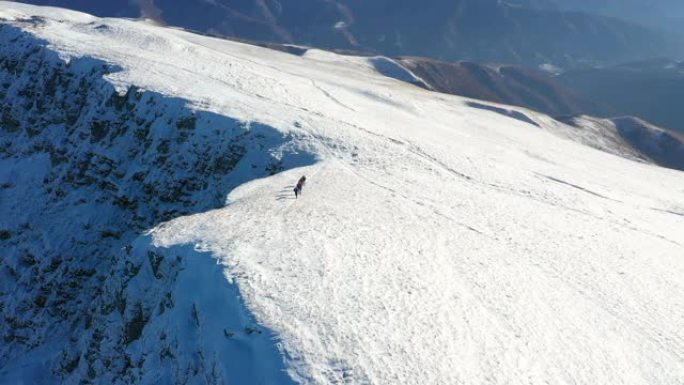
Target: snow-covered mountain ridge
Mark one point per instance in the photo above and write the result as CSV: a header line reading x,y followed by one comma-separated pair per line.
x,y
85,170
438,240
632,138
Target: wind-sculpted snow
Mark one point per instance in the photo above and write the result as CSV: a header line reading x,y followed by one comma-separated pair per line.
x,y
152,235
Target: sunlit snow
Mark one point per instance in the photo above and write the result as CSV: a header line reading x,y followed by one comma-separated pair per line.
x,y
434,242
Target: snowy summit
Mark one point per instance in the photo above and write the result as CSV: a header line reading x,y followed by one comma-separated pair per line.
x,y
437,240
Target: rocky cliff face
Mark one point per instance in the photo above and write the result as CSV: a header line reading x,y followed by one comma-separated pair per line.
x,y
84,170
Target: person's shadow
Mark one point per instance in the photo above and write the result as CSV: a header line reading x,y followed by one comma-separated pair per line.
x,y
286,193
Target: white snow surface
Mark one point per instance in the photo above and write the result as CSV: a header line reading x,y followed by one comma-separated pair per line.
x,y
434,243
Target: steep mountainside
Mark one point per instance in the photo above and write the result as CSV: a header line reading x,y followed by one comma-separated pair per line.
x,y
150,234
85,169
474,30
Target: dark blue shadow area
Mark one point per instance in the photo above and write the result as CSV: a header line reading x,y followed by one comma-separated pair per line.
x,y
513,114
392,69
215,334
664,147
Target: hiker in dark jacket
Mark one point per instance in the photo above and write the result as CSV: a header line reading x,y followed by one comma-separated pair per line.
x,y
300,185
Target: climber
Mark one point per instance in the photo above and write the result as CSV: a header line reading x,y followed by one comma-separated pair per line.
x,y
300,185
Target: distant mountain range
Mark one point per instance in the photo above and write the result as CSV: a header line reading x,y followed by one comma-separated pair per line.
x,y
531,32
652,90
506,84
617,132
625,136
665,14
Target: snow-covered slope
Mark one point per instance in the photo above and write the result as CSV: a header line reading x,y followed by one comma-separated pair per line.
x,y
150,235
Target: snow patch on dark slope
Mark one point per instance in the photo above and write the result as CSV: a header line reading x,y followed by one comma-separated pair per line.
x,y
391,68
508,112
434,242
